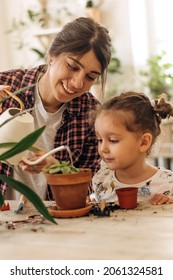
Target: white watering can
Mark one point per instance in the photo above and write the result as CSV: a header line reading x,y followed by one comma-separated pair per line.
x,y
16,129
19,127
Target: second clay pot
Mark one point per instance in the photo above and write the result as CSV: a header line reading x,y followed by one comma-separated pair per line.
x,y
127,197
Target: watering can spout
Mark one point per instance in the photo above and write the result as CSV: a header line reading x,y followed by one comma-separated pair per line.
x,y
58,149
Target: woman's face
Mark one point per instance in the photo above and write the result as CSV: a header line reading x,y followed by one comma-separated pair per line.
x,y
70,76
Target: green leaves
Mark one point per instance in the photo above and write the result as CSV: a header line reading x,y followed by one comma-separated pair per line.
x,y
62,167
12,144
16,148
22,145
29,194
115,64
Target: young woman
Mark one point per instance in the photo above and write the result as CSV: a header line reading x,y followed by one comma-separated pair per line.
x,y
77,57
126,127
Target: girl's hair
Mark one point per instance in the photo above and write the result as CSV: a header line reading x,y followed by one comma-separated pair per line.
x,y
80,36
145,115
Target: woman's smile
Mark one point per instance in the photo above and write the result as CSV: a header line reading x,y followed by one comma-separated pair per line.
x,y
69,92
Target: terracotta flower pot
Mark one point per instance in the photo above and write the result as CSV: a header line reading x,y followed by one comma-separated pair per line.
x,y
127,197
70,190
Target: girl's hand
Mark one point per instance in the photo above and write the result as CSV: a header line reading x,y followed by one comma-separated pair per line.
x,y
160,198
3,94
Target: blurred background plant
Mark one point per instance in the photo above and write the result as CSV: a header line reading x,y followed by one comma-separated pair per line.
x,y
42,21
93,3
113,77
115,63
89,4
158,76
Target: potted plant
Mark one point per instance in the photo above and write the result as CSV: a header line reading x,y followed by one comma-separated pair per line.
x,y
68,184
13,149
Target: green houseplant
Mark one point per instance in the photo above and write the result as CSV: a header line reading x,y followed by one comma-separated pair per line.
x,y
68,184
158,76
114,75
14,149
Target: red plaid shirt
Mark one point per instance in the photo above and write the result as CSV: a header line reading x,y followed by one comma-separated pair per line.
x,y
75,130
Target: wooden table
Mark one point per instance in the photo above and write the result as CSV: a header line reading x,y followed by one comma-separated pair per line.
x,y
144,233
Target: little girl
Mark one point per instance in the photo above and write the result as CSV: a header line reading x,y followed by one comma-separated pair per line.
x,y
126,127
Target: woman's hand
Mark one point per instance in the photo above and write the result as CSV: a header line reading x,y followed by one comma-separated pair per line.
x,y
160,198
3,94
37,168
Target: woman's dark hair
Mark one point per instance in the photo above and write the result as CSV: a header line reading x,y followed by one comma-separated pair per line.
x,y
80,36
144,116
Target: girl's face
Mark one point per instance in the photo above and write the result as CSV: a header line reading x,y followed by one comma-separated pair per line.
x,y
118,147
70,76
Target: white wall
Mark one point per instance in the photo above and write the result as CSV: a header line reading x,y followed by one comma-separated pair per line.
x,y
115,16
5,49
10,57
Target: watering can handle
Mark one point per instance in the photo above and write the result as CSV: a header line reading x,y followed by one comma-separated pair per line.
x,y
16,98
37,161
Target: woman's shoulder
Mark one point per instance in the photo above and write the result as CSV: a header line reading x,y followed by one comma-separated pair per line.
x,y
16,77
35,71
11,74
19,71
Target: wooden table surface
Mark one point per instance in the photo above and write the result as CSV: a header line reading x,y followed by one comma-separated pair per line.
x,y
144,233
